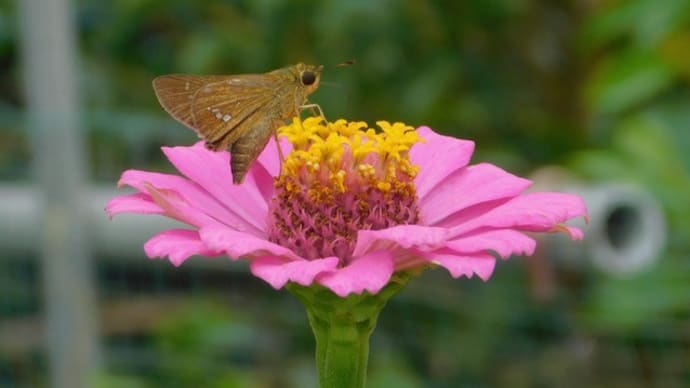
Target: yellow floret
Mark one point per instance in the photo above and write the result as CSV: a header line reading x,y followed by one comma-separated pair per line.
x,y
341,152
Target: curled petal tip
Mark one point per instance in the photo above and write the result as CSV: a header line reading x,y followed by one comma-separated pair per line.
x,y
573,233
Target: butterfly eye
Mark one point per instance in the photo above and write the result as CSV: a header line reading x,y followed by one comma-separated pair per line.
x,y
308,78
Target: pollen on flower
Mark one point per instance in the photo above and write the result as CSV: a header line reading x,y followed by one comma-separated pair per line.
x,y
366,170
348,155
342,177
383,186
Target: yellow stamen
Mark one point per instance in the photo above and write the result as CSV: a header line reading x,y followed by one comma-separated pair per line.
x,y
343,156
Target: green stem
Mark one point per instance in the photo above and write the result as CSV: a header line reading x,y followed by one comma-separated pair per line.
x,y
342,328
342,348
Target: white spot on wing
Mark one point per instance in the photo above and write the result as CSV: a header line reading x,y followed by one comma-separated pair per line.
x,y
216,112
186,85
226,118
235,81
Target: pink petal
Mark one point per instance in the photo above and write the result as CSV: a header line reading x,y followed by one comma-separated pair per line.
x,y
132,203
174,206
195,198
211,170
572,232
268,166
438,157
505,242
276,271
405,236
178,245
270,159
370,273
481,183
534,212
137,179
481,264
258,176
238,244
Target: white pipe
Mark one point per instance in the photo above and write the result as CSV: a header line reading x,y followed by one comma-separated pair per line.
x,y
626,233
121,238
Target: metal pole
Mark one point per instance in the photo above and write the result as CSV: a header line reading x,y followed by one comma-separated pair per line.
x,y
49,55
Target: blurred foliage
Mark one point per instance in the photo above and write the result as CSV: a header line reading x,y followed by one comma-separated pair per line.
x,y
637,94
601,86
500,72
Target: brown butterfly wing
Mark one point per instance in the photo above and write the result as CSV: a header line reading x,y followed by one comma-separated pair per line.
x,y
175,93
219,108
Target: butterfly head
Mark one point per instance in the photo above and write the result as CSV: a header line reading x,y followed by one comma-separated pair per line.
x,y
308,76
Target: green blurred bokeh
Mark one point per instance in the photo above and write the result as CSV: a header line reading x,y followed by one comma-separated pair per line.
x,y
601,87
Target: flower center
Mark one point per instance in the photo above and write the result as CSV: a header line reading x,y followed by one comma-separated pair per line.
x,y
342,177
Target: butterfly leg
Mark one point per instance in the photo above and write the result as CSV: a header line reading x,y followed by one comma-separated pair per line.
x,y
313,108
281,157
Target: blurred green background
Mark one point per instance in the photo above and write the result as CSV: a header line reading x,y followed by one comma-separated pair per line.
x,y
599,87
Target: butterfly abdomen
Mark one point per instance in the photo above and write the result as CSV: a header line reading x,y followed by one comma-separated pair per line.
x,y
247,148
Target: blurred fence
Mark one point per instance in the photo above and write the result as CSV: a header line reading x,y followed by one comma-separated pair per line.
x,y
49,56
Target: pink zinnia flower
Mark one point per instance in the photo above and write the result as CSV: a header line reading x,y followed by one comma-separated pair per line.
x,y
350,208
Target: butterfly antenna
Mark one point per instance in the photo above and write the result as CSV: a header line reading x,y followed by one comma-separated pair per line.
x,y
347,63
342,64
331,84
